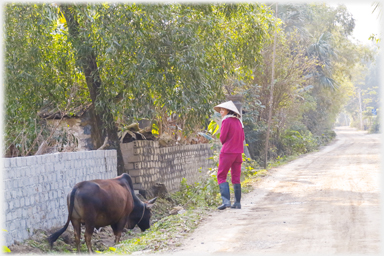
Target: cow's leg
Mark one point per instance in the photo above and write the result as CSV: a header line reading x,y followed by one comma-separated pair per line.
x,y
77,230
88,236
114,228
117,229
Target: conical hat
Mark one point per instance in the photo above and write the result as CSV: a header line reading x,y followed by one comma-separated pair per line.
x,y
227,105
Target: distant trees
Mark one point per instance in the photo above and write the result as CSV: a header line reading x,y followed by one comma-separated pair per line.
x,y
314,79
367,85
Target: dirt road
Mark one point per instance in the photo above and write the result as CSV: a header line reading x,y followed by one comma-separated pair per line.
x,y
324,203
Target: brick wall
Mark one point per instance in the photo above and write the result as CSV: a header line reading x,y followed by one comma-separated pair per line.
x,y
149,164
36,187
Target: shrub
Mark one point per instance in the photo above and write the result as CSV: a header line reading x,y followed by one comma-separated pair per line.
x,y
325,137
375,127
296,143
200,194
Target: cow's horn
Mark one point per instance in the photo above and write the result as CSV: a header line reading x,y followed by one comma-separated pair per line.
x,y
152,200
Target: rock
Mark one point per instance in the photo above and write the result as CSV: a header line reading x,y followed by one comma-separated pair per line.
x,y
107,242
181,211
67,237
160,190
133,127
165,140
176,210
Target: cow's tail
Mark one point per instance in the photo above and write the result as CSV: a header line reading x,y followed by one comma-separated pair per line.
x,y
52,238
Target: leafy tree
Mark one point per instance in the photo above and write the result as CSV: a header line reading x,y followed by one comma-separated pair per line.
x,y
290,90
367,82
174,62
338,59
315,46
34,51
128,61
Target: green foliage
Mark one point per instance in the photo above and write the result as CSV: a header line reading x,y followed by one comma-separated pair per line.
x,y
164,233
155,129
255,138
161,60
326,137
296,143
315,70
375,127
374,38
367,82
333,65
142,61
39,71
213,127
344,64
200,194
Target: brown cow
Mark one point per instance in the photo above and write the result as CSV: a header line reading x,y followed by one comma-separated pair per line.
x,y
99,203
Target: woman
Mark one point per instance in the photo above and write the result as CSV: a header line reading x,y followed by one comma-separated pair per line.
x,y
232,138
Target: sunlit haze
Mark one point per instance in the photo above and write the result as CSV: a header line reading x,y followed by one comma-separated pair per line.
x,y
366,22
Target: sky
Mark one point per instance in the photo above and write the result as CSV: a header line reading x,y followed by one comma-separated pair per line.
x,y
366,23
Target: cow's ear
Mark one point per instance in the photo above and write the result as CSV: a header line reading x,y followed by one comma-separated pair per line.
x,y
149,206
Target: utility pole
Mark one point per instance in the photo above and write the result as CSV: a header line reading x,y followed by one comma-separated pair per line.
x,y
361,110
270,98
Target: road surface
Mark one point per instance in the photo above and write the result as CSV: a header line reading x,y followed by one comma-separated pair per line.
x,y
326,202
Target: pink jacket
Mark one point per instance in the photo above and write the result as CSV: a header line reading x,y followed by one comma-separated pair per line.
x,y
232,136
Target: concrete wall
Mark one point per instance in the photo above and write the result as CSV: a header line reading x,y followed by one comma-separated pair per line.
x,y
149,164
36,187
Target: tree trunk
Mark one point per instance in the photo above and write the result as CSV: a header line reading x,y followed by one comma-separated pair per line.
x,y
270,103
360,110
103,124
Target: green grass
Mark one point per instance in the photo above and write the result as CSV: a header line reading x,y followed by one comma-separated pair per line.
x,y
164,233
282,160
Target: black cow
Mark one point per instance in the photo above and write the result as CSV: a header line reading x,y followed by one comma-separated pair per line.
x,y
99,203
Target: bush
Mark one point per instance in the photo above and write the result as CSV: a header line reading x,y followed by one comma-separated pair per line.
x,y
325,137
255,137
296,143
375,127
200,194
